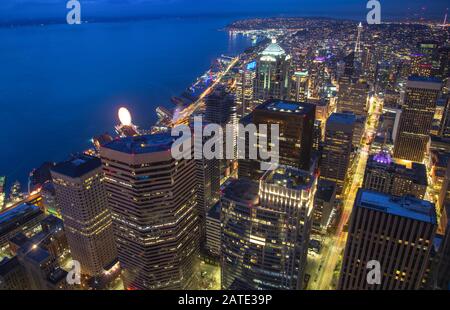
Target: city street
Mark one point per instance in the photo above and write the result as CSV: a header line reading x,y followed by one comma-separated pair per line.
x,y
331,257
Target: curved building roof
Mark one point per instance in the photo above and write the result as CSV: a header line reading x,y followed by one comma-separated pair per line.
x,y
273,50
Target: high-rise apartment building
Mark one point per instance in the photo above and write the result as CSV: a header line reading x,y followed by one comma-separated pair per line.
x,y
395,232
153,198
81,195
416,119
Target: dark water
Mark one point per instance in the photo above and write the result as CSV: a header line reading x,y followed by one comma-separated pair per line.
x,y
60,85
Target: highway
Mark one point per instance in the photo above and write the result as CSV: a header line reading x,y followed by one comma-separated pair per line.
x,y
335,244
183,116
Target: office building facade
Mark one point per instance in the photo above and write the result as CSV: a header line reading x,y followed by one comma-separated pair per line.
x,y
416,118
81,196
153,198
396,232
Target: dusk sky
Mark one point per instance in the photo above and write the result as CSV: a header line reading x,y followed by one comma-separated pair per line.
x,y
39,9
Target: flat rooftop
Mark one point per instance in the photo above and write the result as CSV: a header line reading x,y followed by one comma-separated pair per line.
x,y
242,190
407,206
431,83
416,172
78,166
290,178
325,190
8,264
284,106
11,218
142,144
214,212
342,118
35,252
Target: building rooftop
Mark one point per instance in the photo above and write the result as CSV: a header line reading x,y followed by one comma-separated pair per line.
x,y
19,239
290,178
214,212
416,172
424,82
51,222
34,252
78,166
8,264
424,79
273,49
342,118
407,206
242,190
284,106
17,216
142,144
57,275
251,66
325,190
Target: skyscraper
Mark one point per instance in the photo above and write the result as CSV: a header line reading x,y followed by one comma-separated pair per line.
x,y
81,195
324,203
299,90
221,110
265,233
337,148
153,197
383,175
296,128
272,74
441,263
353,96
244,89
416,118
213,230
396,232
